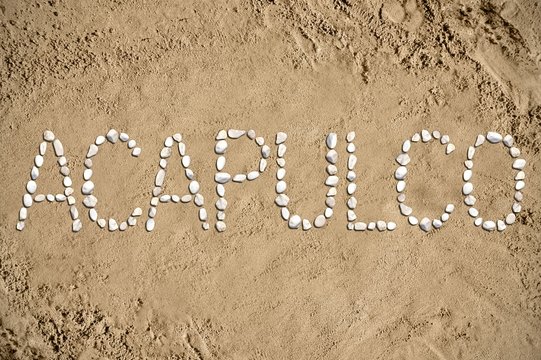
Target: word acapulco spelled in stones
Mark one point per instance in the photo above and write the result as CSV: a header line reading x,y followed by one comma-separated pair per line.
x,y
294,221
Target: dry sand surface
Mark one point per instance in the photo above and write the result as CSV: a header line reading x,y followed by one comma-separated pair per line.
x,y
385,69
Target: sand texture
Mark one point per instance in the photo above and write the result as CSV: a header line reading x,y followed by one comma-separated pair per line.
x,y
259,290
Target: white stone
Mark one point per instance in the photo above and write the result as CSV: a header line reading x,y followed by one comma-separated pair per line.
x,y
38,161
352,161
62,161
252,175
186,198
136,152
425,135
371,226
281,186
34,173
350,148
359,226
489,225
332,156
400,186
294,222
27,200
165,198
470,200
501,225
281,162
31,186
259,141
282,148
517,207
239,178
478,222
88,163
50,197
113,226
494,138
251,134
220,226
413,220
437,224
203,216
320,221
152,212
425,224
306,225
58,148
23,213
514,152
467,175
328,212
60,197
194,187
150,224
76,226
131,144
186,161
112,136
381,225
177,137
352,202
332,140
132,221
221,147
42,148
403,159
467,188
265,151
406,146
351,188
220,163
92,150
332,191
391,226
48,136
468,164
480,140
235,134
125,137
331,180
401,198
351,216
280,138
74,213
400,173
351,175
450,148
519,164
510,218
67,181
284,212
436,134
100,139
160,177
280,173
222,135
508,140
221,204
521,175
222,177
405,210
90,201
444,217
263,164
444,139
471,152
350,136
189,174
473,212
520,185
93,214
64,170
123,225
165,152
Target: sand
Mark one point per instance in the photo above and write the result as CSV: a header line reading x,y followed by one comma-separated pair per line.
x,y
260,290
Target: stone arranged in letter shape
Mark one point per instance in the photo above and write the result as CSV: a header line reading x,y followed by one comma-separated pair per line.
x,y
403,159
467,189
32,186
221,177
90,201
295,221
